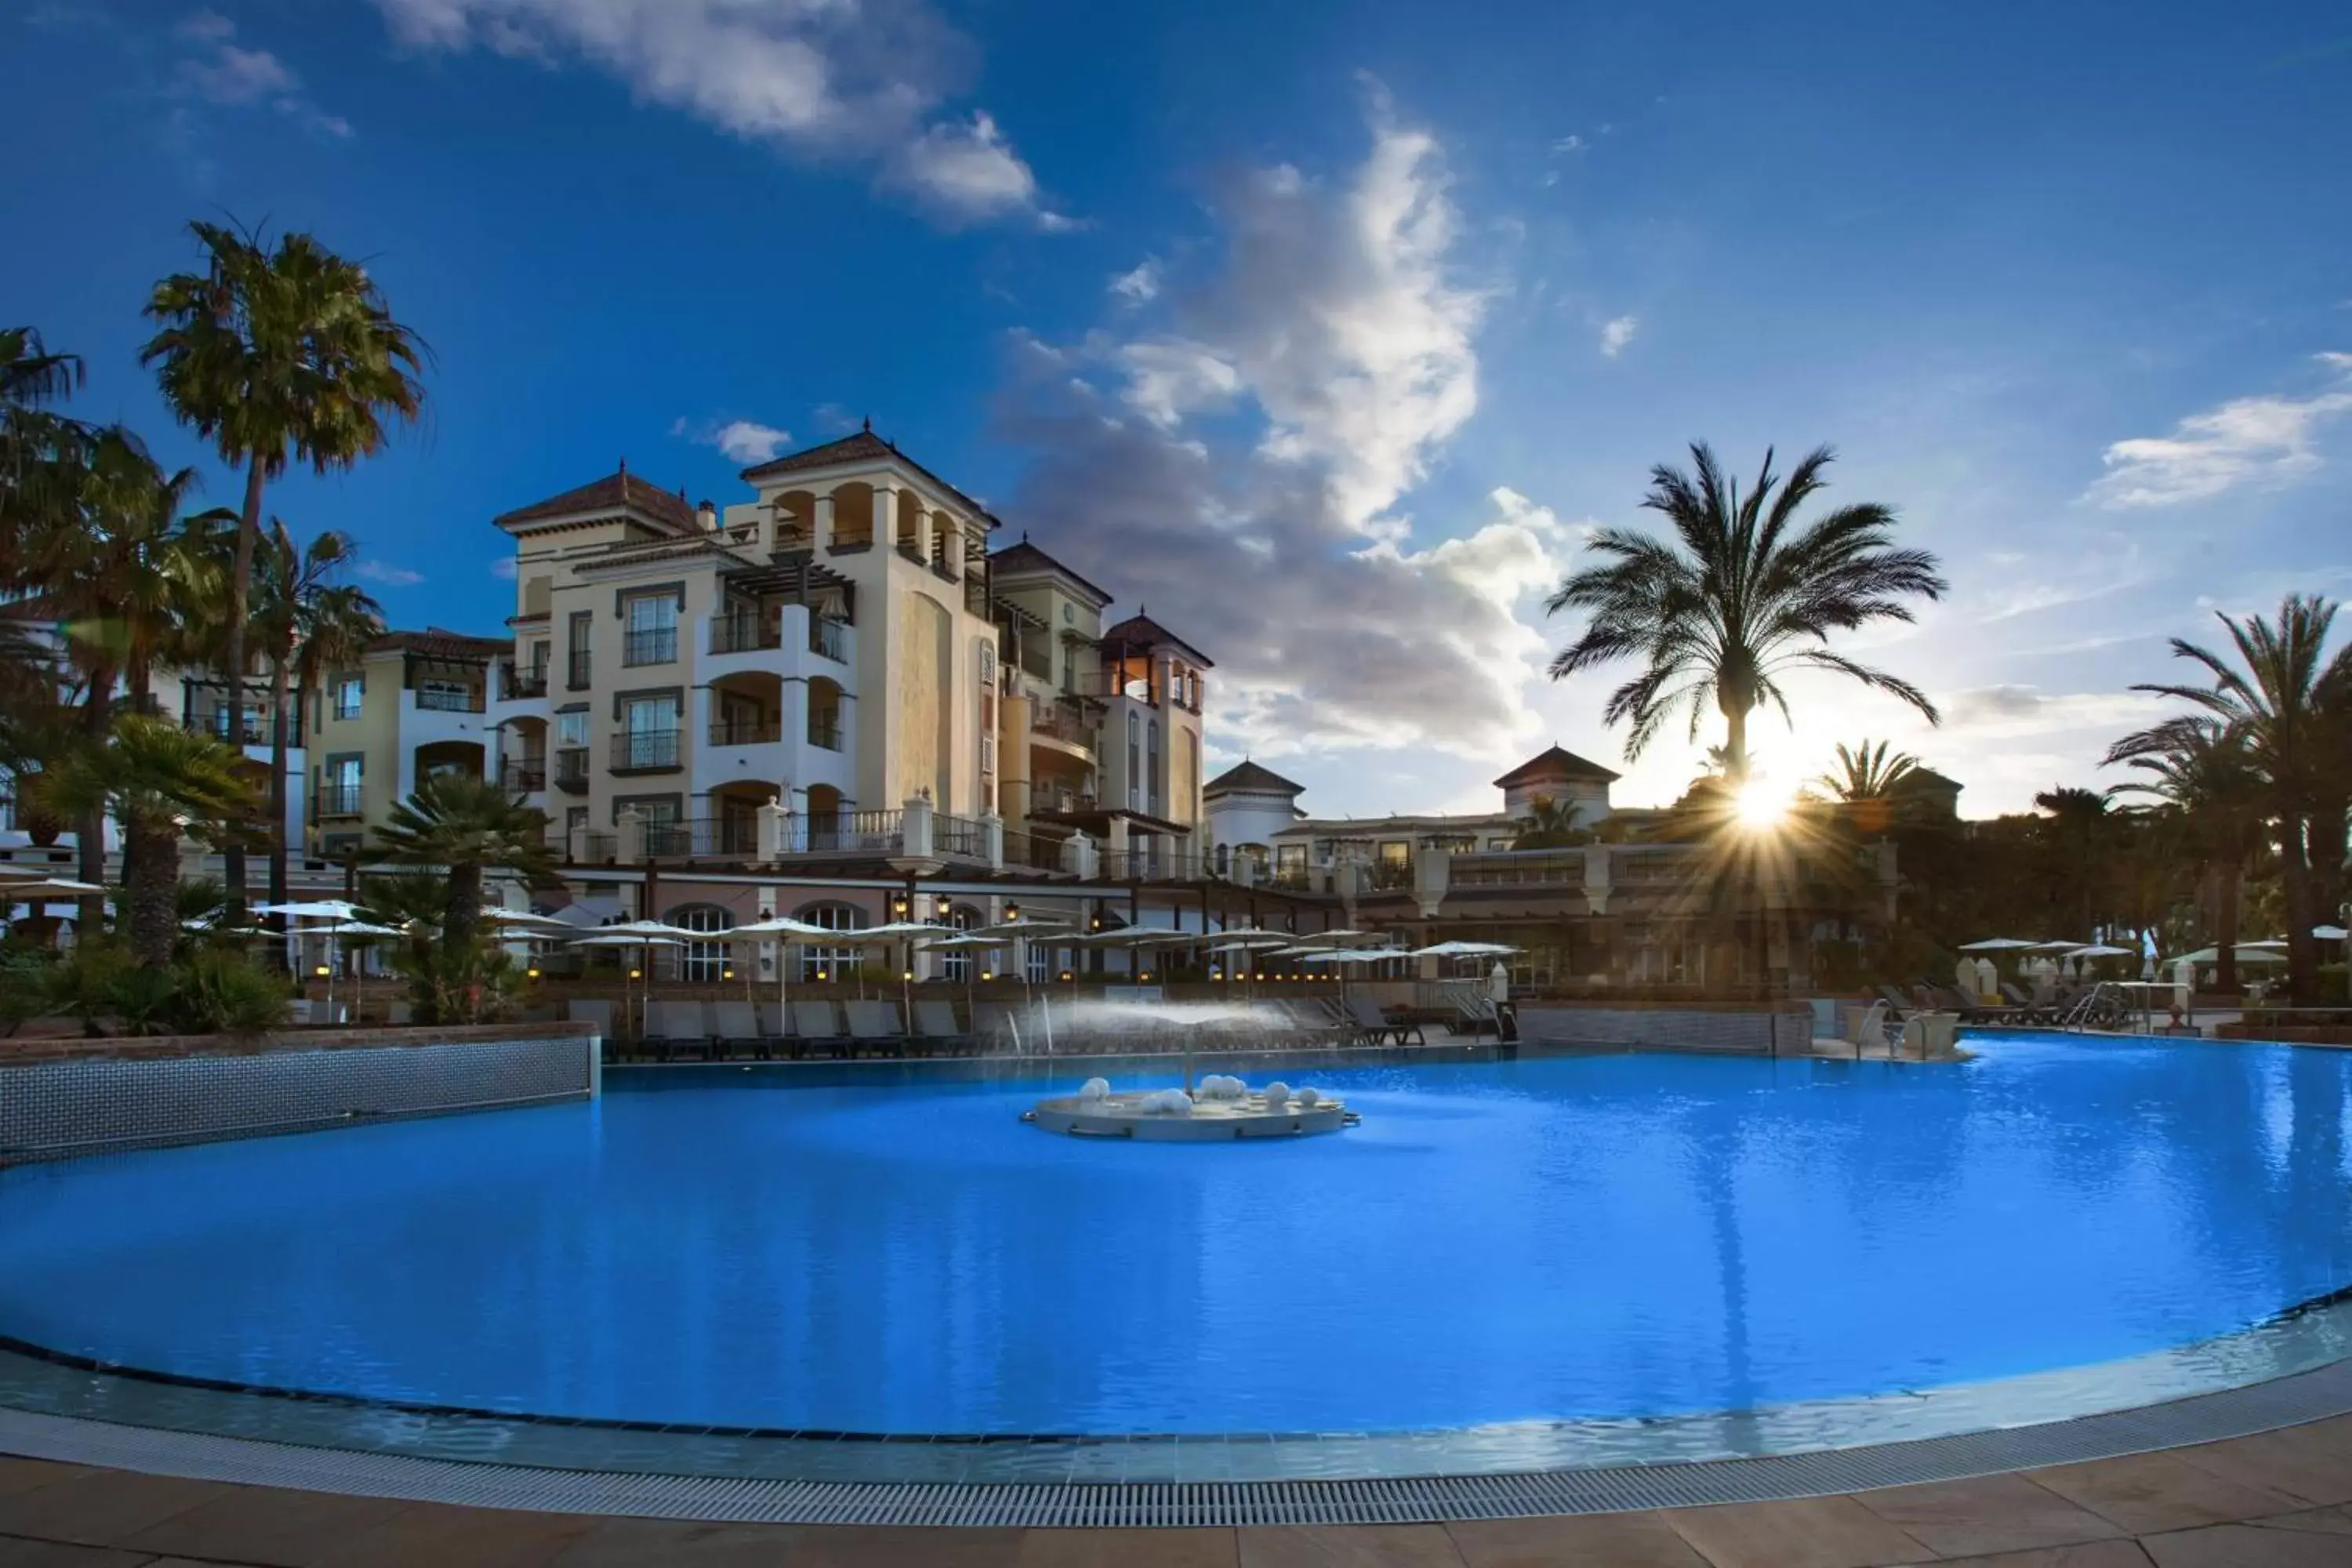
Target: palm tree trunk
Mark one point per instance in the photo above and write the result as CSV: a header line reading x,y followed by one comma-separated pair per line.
x,y
151,888
2302,952
240,588
2327,851
89,832
278,748
464,916
2232,872
1735,741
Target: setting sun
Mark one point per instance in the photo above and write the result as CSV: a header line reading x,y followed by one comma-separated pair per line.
x,y
1761,803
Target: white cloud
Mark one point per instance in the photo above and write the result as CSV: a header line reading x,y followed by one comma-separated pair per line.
x,y
1616,333
1141,284
1244,475
228,75
504,567
389,575
1571,144
854,81
2258,442
744,441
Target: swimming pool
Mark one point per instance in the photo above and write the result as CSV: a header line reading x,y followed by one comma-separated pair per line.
x,y
1546,1240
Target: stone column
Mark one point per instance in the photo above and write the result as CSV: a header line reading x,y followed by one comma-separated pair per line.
x,y
915,825
772,831
1596,878
886,516
991,836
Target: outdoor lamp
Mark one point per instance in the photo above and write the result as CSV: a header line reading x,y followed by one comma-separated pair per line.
x,y
946,906
1094,924
533,972
727,974
909,975
1217,972
321,971
1013,911
1145,975
988,974
898,906
1066,975
820,974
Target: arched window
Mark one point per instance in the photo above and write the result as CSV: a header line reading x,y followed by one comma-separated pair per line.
x,y
954,965
828,963
701,961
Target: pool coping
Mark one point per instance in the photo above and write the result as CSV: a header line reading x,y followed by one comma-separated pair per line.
x,y
1045,1502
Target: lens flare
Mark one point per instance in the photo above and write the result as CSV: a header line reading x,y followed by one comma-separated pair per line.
x,y
1762,803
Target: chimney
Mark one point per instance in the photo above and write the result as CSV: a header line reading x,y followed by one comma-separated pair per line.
x,y
707,515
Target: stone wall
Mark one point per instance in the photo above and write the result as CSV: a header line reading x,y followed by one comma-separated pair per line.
x,y
1756,1031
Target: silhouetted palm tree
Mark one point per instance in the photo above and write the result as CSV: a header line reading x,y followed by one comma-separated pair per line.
x,y
276,355
302,620
1747,596
2197,764
2280,706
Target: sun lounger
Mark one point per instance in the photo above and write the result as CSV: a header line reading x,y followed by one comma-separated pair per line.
x,y
874,1028
736,1027
776,1037
936,1026
1377,1027
818,1024
677,1028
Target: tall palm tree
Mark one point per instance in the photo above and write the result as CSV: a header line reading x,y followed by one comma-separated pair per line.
x,y
275,355
154,776
2278,705
296,602
464,825
2082,832
1748,597
2197,764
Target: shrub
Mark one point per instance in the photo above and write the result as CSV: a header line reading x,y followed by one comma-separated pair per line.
x,y
81,984
23,986
223,994
144,1001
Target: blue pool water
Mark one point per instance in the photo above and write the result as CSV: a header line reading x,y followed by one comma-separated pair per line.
x,y
1595,1237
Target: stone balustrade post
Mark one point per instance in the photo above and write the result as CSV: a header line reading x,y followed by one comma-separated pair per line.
x,y
629,837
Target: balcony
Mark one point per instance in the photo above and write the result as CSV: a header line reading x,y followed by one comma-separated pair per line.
x,y
959,837
576,671
706,837
523,775
743,634
655,644
646,751
449,698
1056,722
223,725
572,769
825,731
336,800
829,638
745,731
845,833
520,685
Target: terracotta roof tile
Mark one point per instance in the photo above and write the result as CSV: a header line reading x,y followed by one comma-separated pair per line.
x,y
864,446
1026,557
621,491
1554,764
1142,631
1249,776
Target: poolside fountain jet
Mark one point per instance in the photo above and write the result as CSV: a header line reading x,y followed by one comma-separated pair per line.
x,y
1222,1108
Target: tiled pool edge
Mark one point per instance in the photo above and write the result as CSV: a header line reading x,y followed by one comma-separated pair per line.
x,y
2265,1406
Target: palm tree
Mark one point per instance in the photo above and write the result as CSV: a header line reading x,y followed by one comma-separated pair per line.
x,y
2081,827
1550,825
2278,706
1868,773
2197,764
274,355
303,621
154,776
464,825
1747,598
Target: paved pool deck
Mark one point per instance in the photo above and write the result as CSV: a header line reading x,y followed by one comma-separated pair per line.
x,y
2280,1498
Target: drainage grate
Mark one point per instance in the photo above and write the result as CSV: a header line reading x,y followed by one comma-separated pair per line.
x,y
2233,1413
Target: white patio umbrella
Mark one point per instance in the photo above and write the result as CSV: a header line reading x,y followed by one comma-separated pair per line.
x,y
2330,933
785,932
1997,944
525,920
2248,952
621,936
338,930
15,889
967,942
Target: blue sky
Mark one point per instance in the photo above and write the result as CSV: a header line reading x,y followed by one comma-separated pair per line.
x,y
1325,329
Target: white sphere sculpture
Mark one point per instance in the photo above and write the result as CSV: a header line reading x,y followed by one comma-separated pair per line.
x,y
1309,1098
1277,1095
1095,1089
